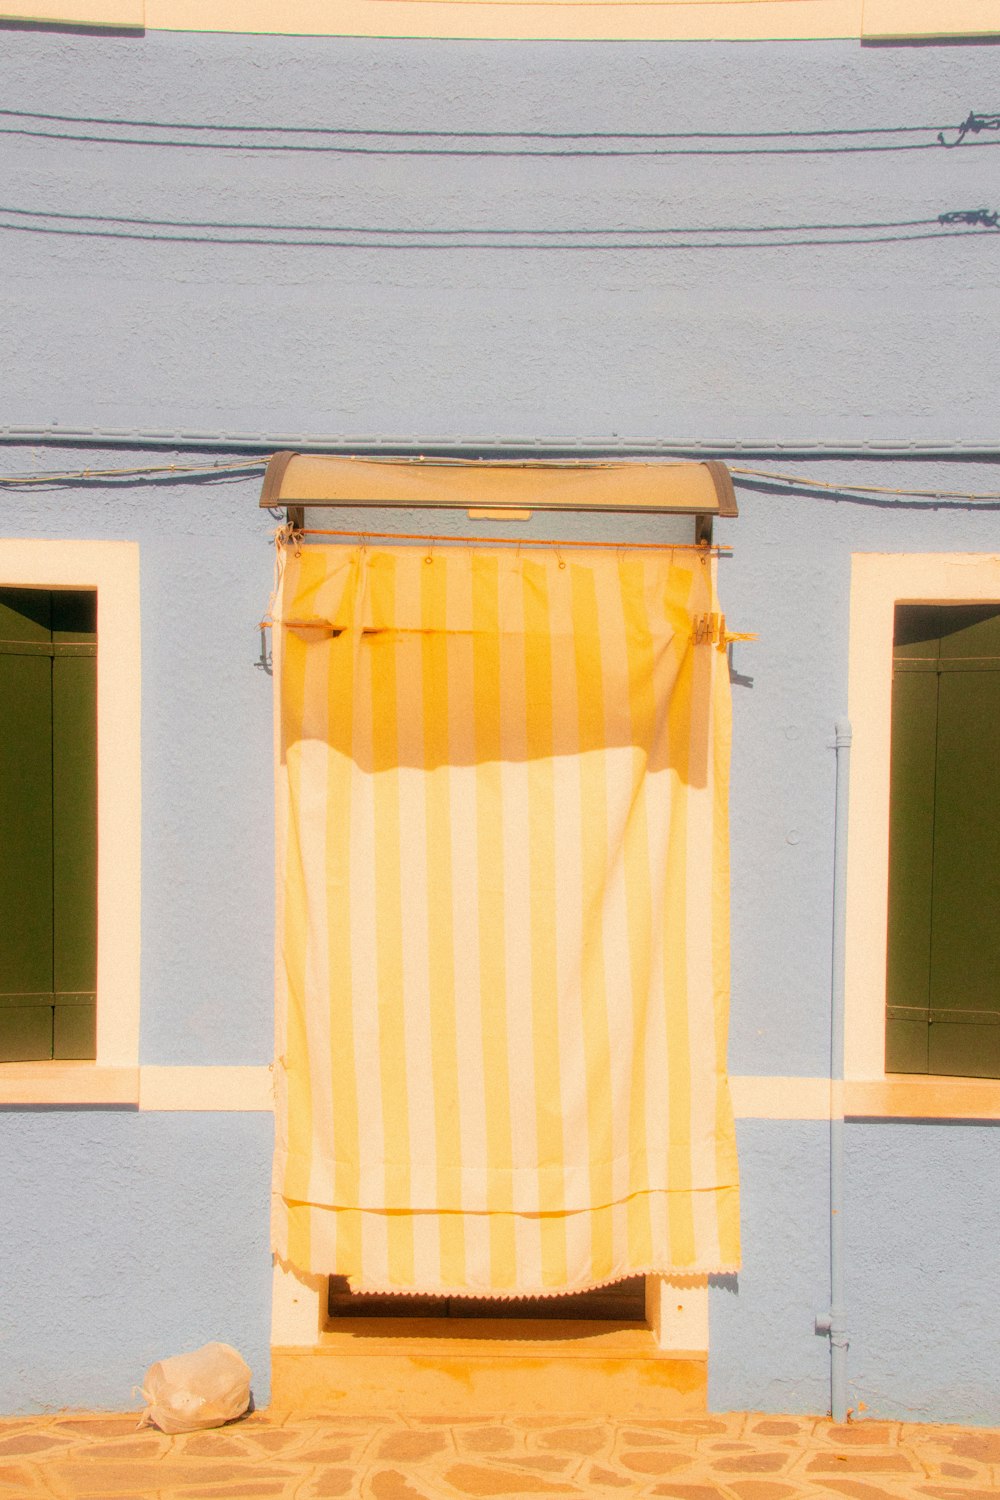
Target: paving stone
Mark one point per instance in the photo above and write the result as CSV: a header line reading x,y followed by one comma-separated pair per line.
x,y
236,1490
486,1439
315,1455
474,1479
547,1464
110,1426
272,1440
702,1426
407,1444
866,1463
24,1443
215,1445
451,1419
655,1438
751,1463
16,1477
390,1484
858,1490
333,1482
780,1427
861,1434
761,1489
649,1461
598,1474
575,1439
94,1477
982,1446
958,1492
689,1491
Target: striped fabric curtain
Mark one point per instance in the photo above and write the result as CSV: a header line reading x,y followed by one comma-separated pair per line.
x,y
503,918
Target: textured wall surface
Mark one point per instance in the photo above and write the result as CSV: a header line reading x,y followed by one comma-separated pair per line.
x,y
880,340
138,1235
923,1266
764,1354
126,1238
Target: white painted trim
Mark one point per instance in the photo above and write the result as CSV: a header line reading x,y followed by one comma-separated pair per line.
x,y
67,1083
112,568
298,1313
76,12
780,1098
884,19
250,1089
878,582
206,1088
618,20
677,1313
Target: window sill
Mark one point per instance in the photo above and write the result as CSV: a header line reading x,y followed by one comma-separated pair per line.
x,y
924,1097
67,1083
897,1096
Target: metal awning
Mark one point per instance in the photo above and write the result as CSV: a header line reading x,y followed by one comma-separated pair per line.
x,y
702,490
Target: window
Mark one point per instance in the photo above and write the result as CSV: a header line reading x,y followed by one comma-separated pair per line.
x,y
55,596
923,954
943,958
48,824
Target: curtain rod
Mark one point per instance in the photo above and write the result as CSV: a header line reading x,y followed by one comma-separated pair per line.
x,y
705,548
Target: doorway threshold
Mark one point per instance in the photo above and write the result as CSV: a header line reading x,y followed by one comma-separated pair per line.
x,y
479,1367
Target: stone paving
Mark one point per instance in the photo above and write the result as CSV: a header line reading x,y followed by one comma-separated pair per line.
x,y
296,1456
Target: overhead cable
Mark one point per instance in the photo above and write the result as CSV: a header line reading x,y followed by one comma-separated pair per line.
x,y
185,472
954,223
355,140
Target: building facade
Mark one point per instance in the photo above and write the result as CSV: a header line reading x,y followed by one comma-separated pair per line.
x,y
709,231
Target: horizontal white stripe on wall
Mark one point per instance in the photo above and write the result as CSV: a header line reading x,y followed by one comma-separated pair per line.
x,y
250,1088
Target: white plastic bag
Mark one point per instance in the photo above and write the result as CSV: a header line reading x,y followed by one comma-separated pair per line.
x,y
205,1388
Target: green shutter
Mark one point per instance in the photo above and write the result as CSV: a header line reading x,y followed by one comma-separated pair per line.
x,y
943,972
48,824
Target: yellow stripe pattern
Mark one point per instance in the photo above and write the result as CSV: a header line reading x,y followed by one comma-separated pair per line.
x,y
503,919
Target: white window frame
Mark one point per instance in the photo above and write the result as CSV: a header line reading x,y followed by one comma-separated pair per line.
x,y
673,20
76,12
888,20
112,569
880,581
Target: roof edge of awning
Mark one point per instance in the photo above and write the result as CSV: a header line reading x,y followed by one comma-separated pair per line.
x,y
659,486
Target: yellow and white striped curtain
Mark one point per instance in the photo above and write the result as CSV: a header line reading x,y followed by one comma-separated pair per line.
x,y
503,919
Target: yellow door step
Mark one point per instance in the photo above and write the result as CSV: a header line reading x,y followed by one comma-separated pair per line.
x,y
483,1367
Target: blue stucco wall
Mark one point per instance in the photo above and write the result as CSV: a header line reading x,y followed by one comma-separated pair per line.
x,y
811,344
888,340
128,1237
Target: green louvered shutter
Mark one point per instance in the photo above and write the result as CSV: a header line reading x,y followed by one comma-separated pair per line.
x,y
48,824
943,973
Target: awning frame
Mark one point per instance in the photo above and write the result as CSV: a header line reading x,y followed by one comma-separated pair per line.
x,y
593,484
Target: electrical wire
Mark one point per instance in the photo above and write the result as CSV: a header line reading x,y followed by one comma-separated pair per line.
x,y
799,481
343,139
458,151
862,489
497,230
546,135
74,476
953,224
